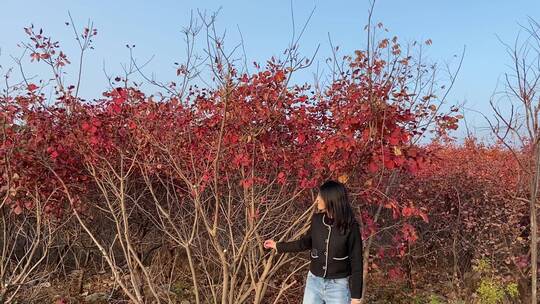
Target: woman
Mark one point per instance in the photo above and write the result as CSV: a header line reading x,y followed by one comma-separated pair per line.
x,y
336,249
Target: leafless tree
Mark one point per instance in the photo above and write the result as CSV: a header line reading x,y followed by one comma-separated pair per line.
x,y
25,243
516,123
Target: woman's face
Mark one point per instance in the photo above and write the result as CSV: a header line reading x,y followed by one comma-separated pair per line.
x,y
320,203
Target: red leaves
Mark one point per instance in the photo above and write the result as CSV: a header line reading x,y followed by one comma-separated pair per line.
x,y
399,161
395,136
38,56
43,48
85,126
409,233
395,274
241,160
62,60
119,96
246,182
302,98
522,261
116,108
389,164
32,87
301,138
282,178
373,167
279,76
392,205
53,152
343,178
17,209
96,122
132,125
244,78
409,211
88,33
423,215
61,301
282,132
412,166
91,127
383,43
232,138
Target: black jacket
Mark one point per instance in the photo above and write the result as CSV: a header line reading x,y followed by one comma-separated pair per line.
x,y
333,255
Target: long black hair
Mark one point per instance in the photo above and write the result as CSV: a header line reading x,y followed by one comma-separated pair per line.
x,y
336,199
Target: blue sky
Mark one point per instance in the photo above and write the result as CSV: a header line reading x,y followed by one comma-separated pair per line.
x,y
154,27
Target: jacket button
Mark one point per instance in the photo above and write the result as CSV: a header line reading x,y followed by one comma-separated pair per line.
x,y
324,267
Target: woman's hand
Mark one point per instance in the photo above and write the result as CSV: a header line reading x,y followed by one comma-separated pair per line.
x,y
356,301
269,244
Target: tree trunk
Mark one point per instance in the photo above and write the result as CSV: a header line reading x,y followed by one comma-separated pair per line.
x,y
534,229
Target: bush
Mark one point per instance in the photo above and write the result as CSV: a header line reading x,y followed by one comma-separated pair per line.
x,y
492,289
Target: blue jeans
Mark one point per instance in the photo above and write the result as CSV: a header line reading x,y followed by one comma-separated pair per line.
x,y
326,291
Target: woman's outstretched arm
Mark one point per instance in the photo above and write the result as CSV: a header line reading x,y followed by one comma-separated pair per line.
x,y
301,244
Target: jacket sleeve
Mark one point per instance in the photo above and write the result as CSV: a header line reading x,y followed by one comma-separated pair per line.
x,y
301,244
357,261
